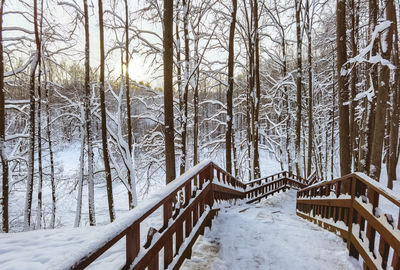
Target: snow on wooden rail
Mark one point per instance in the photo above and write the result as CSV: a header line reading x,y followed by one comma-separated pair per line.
x,y
349,206
186,204
158,233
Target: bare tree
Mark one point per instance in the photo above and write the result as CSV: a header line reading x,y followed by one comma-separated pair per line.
x,y
229,93
4,159
345,158
168,90
299,78
32,112
382,94
106,157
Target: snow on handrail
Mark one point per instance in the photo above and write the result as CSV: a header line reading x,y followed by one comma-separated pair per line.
x,y
354,200
175,214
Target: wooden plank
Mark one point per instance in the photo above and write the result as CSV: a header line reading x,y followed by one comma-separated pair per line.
x,y
366,257
379,227
132,243
327,202
188,248
343,233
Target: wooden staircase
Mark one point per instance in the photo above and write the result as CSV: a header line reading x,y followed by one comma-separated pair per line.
x,y
347,206
187,208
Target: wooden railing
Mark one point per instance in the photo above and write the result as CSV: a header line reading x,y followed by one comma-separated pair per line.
x,y
349,206
267,186
186,206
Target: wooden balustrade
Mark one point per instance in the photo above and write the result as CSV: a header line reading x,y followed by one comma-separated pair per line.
x,y
267,186
187,208
350,206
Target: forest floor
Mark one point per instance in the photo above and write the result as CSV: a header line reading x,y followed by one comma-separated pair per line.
x,y
268,235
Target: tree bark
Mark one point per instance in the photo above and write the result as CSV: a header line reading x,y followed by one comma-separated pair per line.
x,y
344,132
51,154
107,168
299,77
394,131
229,93
88,119
32,126
186,7
256,158
168,91
310,92
4,160
382,95
128,101
354,75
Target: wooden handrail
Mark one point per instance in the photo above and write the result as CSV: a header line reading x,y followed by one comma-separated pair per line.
x,y
349,206
186,204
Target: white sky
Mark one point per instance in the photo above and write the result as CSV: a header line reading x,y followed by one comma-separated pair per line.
x,y
139,68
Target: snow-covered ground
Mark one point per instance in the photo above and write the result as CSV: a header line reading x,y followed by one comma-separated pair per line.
x,y
268,235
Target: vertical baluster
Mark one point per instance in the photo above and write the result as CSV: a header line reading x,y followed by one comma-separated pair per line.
x,y
195,214
201,179
396,257
338,189
179,236
384,251
352,250
153,265
132,243
168,250
373,198
188,192
188,224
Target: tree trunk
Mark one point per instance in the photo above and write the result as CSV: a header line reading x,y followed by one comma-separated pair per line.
x,y
88,119
104,119
186,8
382,96
229,93
78,212
310,93
128,101
256,158
32,126
354,75
4,160
333,119
168,91
345,157
394,131
51,154
299,77
40,157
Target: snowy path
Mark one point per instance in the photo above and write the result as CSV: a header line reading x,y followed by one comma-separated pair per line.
x,y
268,235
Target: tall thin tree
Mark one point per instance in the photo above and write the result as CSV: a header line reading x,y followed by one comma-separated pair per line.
x,y
128,100
32,126
382,95
299,77
4,160
106,157
168,90
229,93
345,157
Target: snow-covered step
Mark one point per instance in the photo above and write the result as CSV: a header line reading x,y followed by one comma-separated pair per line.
x,y
268,235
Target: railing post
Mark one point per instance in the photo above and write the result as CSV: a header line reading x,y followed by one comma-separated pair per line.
x,y
352,250
132,243
396,258
211,196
